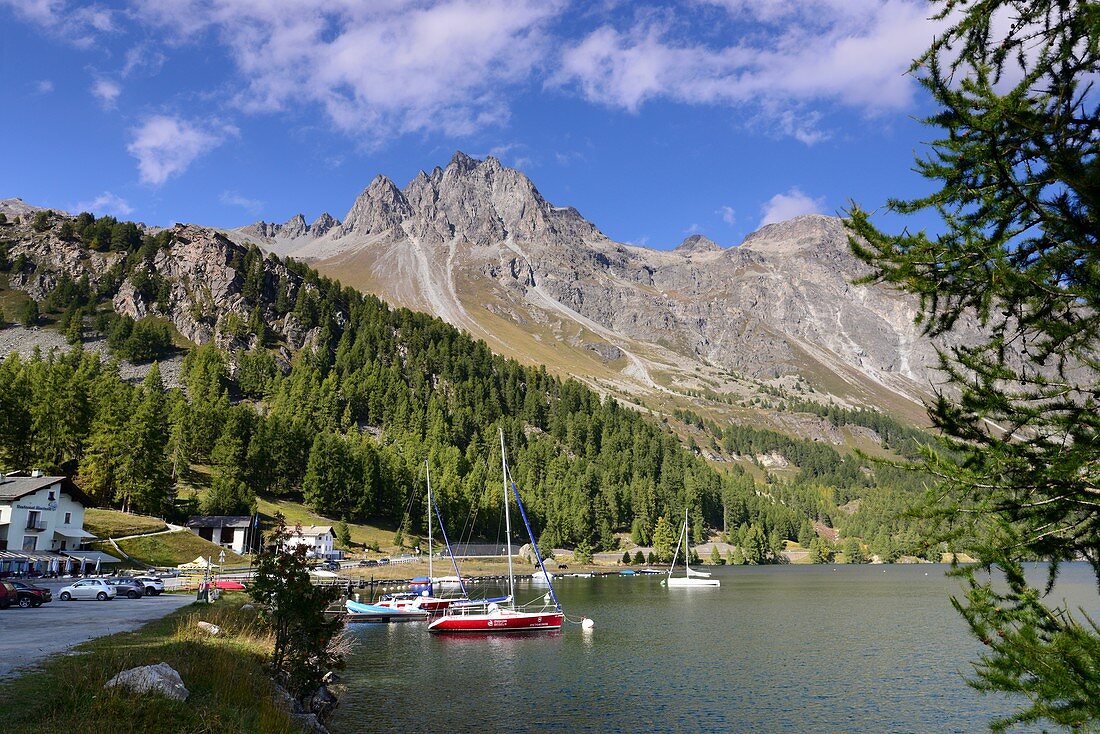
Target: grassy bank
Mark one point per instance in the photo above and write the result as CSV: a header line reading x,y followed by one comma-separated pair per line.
x,y
116,524
230,690
171,549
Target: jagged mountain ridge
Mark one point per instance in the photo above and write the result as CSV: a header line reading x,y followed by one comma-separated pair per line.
x,y
477,244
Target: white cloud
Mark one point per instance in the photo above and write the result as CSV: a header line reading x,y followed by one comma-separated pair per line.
x,y
851,52
43,86
729,216
143,58
76,23
782,207
376,69
165,146
106,91
232,198
105,203
692,228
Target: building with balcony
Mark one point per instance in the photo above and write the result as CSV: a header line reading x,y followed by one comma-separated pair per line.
x,y
41,517
319,541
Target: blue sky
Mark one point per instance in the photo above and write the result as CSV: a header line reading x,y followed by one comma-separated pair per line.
x,y
656,120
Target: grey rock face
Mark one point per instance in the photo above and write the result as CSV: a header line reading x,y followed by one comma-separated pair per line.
x,y
380,208
697,243
781,303
199,286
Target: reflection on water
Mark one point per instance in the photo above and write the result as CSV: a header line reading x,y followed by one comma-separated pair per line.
x,y
791,649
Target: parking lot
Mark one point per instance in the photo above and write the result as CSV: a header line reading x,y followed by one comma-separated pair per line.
x,y
30,635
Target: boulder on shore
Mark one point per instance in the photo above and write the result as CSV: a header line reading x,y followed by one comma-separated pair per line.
x,y
213,629
161,678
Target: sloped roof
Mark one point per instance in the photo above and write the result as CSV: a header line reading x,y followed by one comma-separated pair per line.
x,y
312,530
219,521
14,487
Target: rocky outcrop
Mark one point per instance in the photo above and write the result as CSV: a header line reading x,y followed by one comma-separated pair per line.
x,y
380,208
208,286
697,243
161,678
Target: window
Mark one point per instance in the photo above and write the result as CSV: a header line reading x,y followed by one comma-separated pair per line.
x,y
32,520
52,496
68,517
30,542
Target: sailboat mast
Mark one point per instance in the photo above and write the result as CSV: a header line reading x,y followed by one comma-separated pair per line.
x,y
507,519
687,545
428,474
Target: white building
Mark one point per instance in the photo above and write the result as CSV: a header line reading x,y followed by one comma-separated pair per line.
x,y
40,516
232,532
319,540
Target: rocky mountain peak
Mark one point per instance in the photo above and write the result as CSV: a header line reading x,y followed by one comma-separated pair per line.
x,y
806,233
380,207
294,227
697,243
463,162
322,224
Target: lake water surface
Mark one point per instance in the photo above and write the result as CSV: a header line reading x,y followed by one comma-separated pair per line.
x,y
775,649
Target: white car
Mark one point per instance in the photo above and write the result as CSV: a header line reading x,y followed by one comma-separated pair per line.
x,y
152,584
88,589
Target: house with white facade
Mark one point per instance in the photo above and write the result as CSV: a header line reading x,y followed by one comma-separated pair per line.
x,y
233,532
41,517
319,541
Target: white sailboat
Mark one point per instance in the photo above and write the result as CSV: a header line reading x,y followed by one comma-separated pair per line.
x,y
691,577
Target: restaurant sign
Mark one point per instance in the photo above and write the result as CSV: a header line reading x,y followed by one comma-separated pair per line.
x,y
50,507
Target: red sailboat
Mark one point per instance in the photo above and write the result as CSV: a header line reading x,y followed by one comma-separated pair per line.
x,y
504,617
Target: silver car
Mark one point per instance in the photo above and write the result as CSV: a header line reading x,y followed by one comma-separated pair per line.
x,y
152,584
88,589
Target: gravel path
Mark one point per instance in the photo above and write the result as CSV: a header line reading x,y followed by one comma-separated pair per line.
x,y
28,636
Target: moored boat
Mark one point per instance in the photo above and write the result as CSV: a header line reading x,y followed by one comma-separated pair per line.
x,y
691,577
504,617
359,612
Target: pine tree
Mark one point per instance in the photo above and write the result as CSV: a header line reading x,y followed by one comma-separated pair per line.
x,y
343,534
715,556
853,551
1016,171
663,540
144,476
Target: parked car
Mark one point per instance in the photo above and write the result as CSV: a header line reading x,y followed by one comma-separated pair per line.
x,y
88,589
383,561
128,587
368,563
153,585
31,595
8,594
329,566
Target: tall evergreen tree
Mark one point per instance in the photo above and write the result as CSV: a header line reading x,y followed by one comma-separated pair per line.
x,y
1016,171
144,475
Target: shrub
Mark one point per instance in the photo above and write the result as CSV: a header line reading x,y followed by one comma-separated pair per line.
x,y
294,609
28,313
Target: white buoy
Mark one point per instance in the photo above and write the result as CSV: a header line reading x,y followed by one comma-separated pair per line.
x,y
587,623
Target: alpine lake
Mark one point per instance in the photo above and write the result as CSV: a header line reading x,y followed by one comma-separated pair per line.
x,y
774,649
